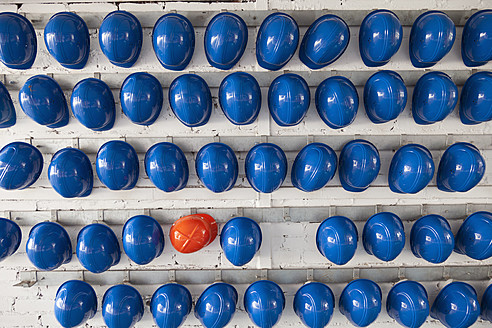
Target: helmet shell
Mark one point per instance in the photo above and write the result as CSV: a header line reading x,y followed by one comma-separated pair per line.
x,y
336,239
360,302
217,167
384,236
117,165
240,240
476,99
75,303
216,306
18,44
486,304
408,304
143,239
264,301
67,39
474,238
476,42
359,165
122,306
193,232
21,165
240,98
266,167
10,238
98,248
314,303
170,305
8,117
166,166
431,238
324,42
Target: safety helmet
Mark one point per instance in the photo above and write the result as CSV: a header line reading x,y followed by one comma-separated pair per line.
x,y
314,303
486,304
240,239
408,304
117,165
360,302
122,306
266,167
476,42
143,239
336,239
8,117
216,167
20,165
191,233
240,98
359,165
75,303
170,305
10,238
264,301
431,238
474,238
19,45
166,166
216,305
476,99
97,248
384,236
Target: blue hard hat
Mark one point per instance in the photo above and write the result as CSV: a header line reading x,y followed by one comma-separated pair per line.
x,y
170,305
411,169
173,39
434,97
324,42
476,99
10,238
141,98
240,98
264,301
70,173
336,239
75,303
314,303
486,304
122,306
456,305
266,167
117,165
288,99
431,238
42,99
314,167
18,44
143,239
337,102
474,238
67,39
20,165
276,41
97,248
431,38
360,302
476,40
190,100
8,117
216,305
384,236
385,96
359,165
240,239
225,39
48,246
166,166
380,36
93,104
216,167
461,168
120,38
408,304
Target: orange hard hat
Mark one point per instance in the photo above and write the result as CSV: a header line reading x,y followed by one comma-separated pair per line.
x,y
193,232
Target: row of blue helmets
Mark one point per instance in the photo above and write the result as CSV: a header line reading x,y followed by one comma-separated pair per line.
x,y
407,302
173,38
412,168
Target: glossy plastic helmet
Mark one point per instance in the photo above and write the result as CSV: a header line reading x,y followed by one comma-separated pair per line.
x,y
315,165
8,117
117,165
143,239
434,97
93,104
380,36
431,38
191,100
216,167
474,238
266,167
476,99
360,302
20,165
240,239
42,100
170,305
324,42
240,98
48,246
10,238
120,38
226,37
216,305
461,168
67,39
456,305
486,304
384,236
411,169
359,165
70,173
431,238
314,303
173,39
75,303
191,233
276,41
264,301
385,96
97,248
476,39
336,239
18,44
122,306
141,98
408,304
166,166
337,102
